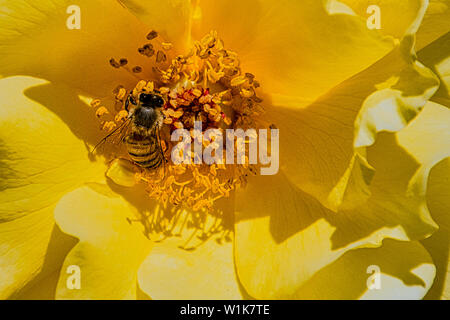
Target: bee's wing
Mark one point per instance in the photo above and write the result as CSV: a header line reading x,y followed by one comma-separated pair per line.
x,y
116,136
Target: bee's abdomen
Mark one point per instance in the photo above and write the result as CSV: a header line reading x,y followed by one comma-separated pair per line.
x,y
144,152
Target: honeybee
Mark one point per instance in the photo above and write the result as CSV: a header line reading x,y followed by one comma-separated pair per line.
x,y
141,131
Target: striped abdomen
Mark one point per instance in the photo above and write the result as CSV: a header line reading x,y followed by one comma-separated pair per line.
x,y
144,151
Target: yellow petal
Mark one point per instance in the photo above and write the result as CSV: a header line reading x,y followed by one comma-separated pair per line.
x,y
171,19
427,139
297,66
43,287
397,18
318,143
438,195
435,23
110,250
122,172
397,196
406,272
282,241
437,57
296,48
205,273
41,160
36,41
204,269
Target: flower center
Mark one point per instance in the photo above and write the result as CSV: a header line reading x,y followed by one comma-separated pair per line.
x,y
206,86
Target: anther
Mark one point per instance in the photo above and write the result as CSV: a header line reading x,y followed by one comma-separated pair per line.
x,y
123,62
109,125
114,63
95,103
167,46
152,35
147,50
121,93
161,56
101,112
137,69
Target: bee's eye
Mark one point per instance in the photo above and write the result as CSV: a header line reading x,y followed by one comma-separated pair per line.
x,y
145,98
151,100
158,101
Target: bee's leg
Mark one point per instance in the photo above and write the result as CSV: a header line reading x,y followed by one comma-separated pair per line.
x,y
161,151
129,100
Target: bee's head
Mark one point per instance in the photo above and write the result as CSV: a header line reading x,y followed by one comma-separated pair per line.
x,y
145,114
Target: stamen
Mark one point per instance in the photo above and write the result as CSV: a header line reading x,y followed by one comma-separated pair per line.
x,y
233,103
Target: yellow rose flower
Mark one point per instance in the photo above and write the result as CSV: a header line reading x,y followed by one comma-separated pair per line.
x,y
364,150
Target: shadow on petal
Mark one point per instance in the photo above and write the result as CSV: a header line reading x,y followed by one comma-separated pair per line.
x,y
43,286
391,205
284,236
36,42
438,245
436,56
65,102
405,272
318,142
